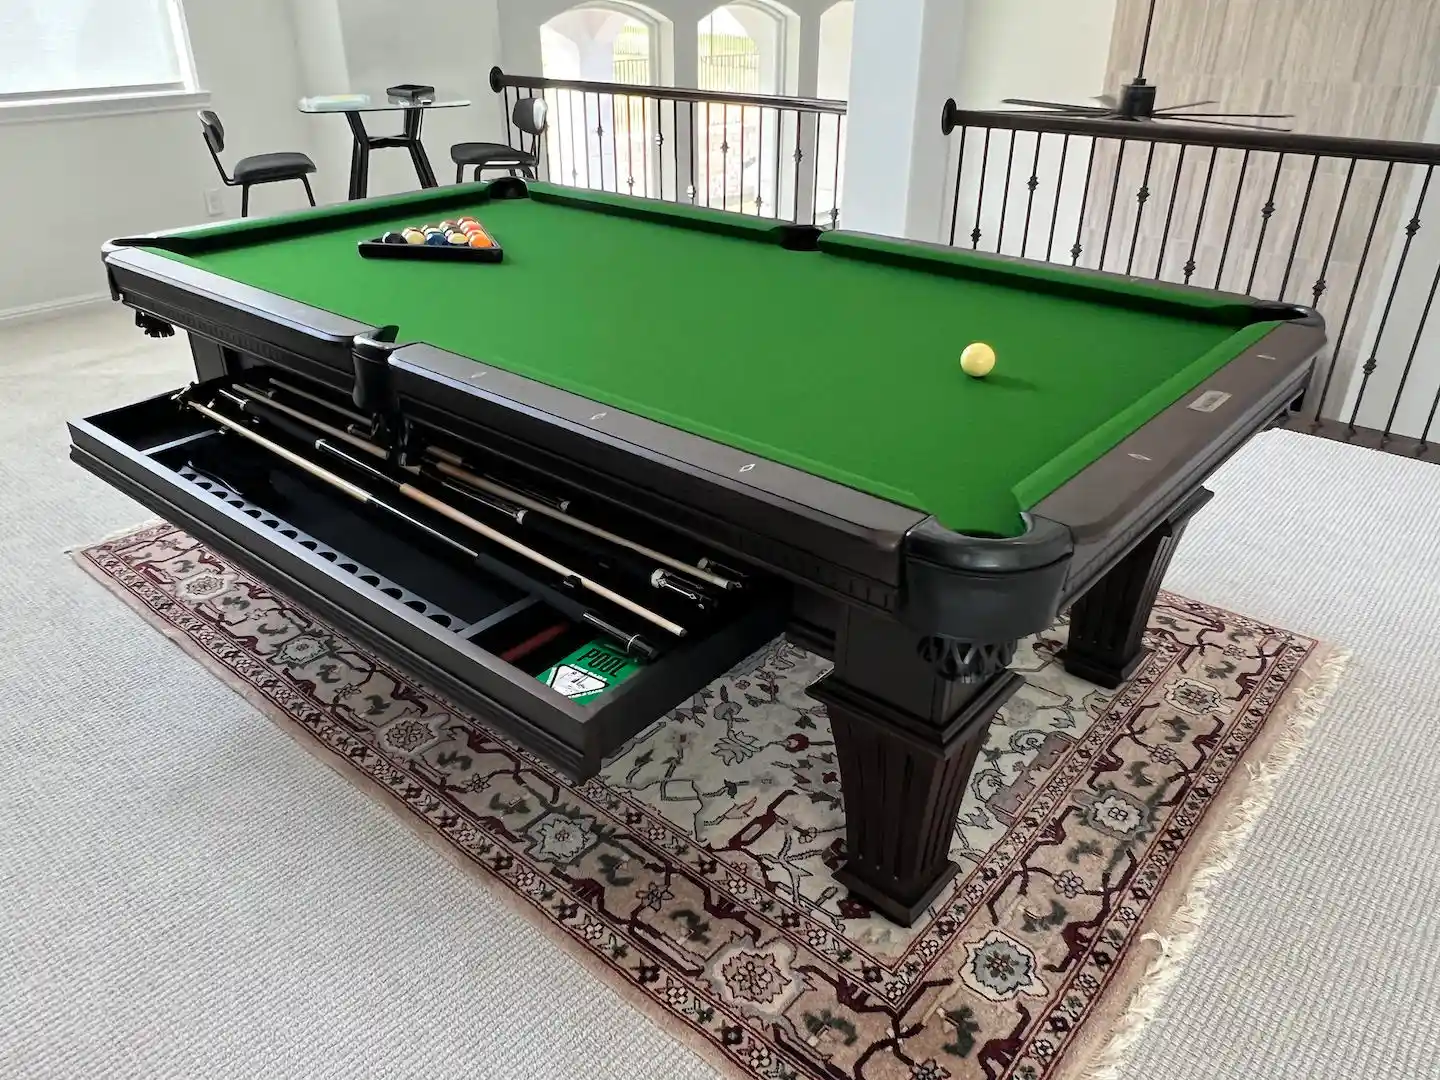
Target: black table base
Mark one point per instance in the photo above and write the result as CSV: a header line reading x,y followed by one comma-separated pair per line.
x,y
365,142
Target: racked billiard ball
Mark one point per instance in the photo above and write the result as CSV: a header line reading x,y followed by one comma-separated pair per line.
x,y
436,239
480,240
458,238
414,236
446,226
392,238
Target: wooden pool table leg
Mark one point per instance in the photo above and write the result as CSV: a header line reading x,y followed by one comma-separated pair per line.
x,y
1107,624
909,716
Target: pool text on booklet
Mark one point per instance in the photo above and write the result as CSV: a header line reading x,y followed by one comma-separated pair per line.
x,y
589,672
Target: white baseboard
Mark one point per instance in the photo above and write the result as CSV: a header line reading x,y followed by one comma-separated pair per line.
x,y
49,308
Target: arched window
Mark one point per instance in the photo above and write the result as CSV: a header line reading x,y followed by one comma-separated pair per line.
x,y
601,140
744,48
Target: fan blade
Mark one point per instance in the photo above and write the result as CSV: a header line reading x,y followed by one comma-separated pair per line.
x,y
1224,123
1055,108
1187,105
1248,115
1041,104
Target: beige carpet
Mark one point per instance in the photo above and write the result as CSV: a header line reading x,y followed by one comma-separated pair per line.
x,y
694,874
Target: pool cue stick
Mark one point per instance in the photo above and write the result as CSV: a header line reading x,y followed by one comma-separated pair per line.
x,y
658,579
556,501
664,579
349,414
520,500
634,644
514,513
355,491
363,445
607,556
444,509
582,525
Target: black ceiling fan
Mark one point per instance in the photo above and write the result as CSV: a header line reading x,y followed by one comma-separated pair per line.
x,y
1136,102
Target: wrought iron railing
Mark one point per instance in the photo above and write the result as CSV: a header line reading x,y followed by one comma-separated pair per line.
x,y
1338,224
760,154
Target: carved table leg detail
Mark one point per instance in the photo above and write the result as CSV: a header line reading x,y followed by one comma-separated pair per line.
x,y
907,735
1107,624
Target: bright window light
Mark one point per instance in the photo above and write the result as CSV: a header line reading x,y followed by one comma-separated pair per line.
x,y
83,48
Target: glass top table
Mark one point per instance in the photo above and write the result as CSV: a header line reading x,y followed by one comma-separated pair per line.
x,y
353,105
324,103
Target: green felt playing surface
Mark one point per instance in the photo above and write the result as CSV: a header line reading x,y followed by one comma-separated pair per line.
x,y
833,361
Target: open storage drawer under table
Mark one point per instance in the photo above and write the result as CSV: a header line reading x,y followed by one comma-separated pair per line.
x,y
447,621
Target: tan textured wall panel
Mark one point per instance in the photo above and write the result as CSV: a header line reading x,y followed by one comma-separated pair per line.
x,y
1365,68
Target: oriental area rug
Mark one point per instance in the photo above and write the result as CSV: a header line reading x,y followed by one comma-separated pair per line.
x,y
694,874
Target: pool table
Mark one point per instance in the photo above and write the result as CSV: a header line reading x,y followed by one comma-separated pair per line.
x,y
786,399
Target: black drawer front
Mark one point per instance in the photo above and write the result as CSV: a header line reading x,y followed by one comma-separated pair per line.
x,y
392,609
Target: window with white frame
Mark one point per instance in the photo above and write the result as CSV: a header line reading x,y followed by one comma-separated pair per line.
x,y
83,48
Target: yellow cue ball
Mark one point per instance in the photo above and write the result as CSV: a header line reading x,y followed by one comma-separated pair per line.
x,y
977,360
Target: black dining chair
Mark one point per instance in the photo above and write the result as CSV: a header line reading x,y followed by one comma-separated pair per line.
x,y
529,116
257,169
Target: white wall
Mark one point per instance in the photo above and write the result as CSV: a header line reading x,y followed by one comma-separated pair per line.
x,y
448,44
1051,50
1046,50
323,69
66,186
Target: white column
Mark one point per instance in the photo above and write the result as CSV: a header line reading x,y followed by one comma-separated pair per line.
x,y
686,146
902,67
809,135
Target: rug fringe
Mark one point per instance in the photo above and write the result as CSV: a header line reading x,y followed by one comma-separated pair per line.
x,y
1181,933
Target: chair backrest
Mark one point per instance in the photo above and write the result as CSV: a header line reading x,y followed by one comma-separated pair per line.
x,y
213,129
214,133
529,115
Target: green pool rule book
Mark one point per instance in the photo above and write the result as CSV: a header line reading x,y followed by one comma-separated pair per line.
x,y
589,671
